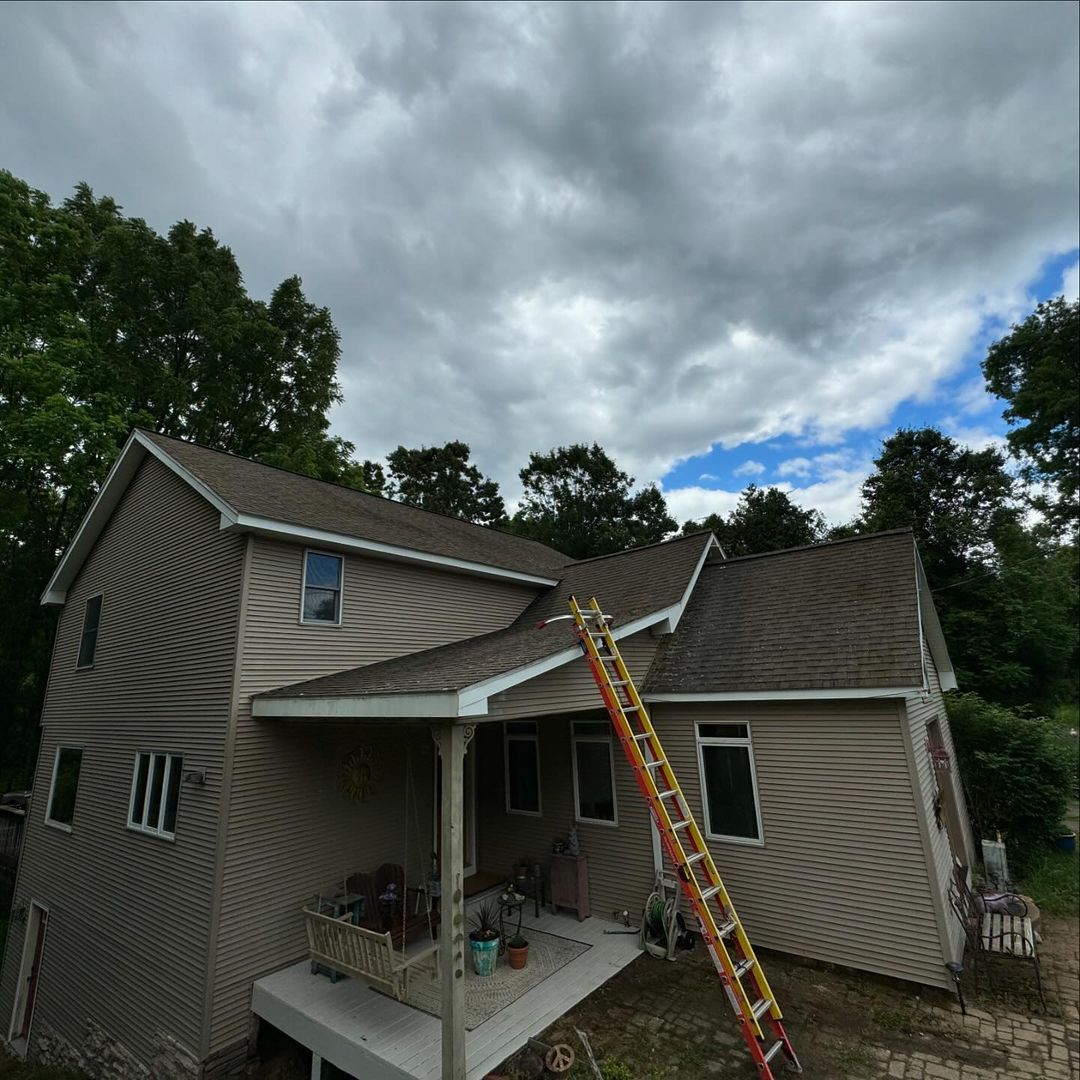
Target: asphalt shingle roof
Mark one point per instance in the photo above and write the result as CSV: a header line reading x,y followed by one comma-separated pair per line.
x,y
629,585
250,487
836,615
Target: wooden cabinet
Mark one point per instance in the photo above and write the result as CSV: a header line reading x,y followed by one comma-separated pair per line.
x,y
568,884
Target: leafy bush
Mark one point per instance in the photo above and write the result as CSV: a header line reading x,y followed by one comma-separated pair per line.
x,y
1016,773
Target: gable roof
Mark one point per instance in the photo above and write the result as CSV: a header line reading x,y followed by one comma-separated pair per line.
x,y
642,587
839,615
275,502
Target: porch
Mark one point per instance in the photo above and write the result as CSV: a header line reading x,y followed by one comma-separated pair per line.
x,y
370,1035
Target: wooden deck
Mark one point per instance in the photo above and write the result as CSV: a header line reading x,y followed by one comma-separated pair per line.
x,y
375,1038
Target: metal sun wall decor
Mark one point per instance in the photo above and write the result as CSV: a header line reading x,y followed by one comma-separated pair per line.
x,y
359,776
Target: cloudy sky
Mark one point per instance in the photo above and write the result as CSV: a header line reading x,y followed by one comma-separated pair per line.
x,y
729,242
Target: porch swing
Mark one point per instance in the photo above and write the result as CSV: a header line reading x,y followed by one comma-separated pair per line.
x,y
364,930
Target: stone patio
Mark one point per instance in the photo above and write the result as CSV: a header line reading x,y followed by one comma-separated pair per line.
x,y
657,1020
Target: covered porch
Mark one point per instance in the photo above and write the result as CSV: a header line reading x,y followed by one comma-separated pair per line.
x,y
368,1034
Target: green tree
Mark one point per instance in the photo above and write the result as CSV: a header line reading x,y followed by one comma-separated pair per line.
x,y
105,325
1036,369
765,519
579,501
442,478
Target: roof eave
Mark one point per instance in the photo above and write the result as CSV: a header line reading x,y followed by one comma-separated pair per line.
x,y
807,694
931,628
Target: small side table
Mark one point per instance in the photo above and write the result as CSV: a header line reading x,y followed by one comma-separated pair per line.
x,y
568,884
508,904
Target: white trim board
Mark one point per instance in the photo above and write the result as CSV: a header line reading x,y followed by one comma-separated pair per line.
x,y
789,695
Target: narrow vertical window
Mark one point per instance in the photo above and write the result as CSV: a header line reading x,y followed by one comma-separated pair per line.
x,y
65,786
321,601
88,641
155,793
594,772
522,747
729,783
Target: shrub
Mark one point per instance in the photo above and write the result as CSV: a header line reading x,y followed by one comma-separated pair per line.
x,y
1016,773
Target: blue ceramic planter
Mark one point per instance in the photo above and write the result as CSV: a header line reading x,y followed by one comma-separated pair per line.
x,y
484,955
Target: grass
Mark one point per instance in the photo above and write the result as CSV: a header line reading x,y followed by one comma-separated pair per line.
x,y
1053,882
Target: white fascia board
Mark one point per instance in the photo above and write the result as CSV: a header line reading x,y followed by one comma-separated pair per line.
x,y
789,695
372,706
93,522
931,626
481,691
296,533
208,493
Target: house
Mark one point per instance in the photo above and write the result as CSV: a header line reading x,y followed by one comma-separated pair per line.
x,y
249,670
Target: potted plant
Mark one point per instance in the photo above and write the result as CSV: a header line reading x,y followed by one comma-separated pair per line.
x,y
484,938
517,948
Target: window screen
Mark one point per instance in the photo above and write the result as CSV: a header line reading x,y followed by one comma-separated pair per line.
x,y
88,641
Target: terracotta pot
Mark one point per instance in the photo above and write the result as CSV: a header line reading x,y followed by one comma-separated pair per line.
x,y
518,957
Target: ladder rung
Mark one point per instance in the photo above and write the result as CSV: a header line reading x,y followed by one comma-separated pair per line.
x,y
631,708
774,1050
723,931
667,794
710,892
654,764
684,824
761,1007
642,735
696,857
743,966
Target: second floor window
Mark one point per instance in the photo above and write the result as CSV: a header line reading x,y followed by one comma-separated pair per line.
x,y
155,793
322,588
522,764
88,641
64,787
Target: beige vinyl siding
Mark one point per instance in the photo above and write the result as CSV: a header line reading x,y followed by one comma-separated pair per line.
x,y
921,710
842,875
127,939
290,831
570,687
620,857
388,609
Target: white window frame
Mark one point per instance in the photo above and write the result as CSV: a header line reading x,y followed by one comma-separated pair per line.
x,y
701,741
341,588
520,736
62,826
606,740
82,633
171,760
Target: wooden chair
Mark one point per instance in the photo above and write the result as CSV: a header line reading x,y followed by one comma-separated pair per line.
x,y
366,954
995,924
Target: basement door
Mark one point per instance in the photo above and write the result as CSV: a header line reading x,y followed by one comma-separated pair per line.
x,y
469,813
22,1015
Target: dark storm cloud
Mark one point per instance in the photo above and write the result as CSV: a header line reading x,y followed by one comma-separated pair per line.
x,y
661,227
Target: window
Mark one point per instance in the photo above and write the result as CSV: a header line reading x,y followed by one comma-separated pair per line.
x,y
65,784
322,588
88,641
522,744
155,793
728,783
594,772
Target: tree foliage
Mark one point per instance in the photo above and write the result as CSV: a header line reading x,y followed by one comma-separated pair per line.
x,y
1016,772
765,519
106,325
579,501
1036,369
442,478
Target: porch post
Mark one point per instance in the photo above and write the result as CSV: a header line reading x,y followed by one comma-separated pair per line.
x,y
452,904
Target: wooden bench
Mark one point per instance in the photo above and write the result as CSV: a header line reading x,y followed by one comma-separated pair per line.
x,y
995,924
366,954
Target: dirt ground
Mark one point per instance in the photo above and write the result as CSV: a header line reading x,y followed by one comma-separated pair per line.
x,y
658,1020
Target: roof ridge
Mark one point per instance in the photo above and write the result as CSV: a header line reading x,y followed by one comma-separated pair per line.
x,y
641,547
802,548
354,491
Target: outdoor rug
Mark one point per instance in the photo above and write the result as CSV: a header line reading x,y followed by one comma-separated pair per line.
x,y
485,996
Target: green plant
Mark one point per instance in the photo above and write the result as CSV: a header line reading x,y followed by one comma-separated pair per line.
x,y
1053,882
614,1069
517,942
485,923
1016,772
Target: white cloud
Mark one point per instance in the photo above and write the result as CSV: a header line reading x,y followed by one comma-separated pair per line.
x,y
749,468
1070,282
695,503
797,466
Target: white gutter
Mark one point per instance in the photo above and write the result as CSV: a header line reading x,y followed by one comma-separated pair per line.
x,y
789,695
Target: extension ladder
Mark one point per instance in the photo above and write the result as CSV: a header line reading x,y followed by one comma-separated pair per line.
x,y
722,931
